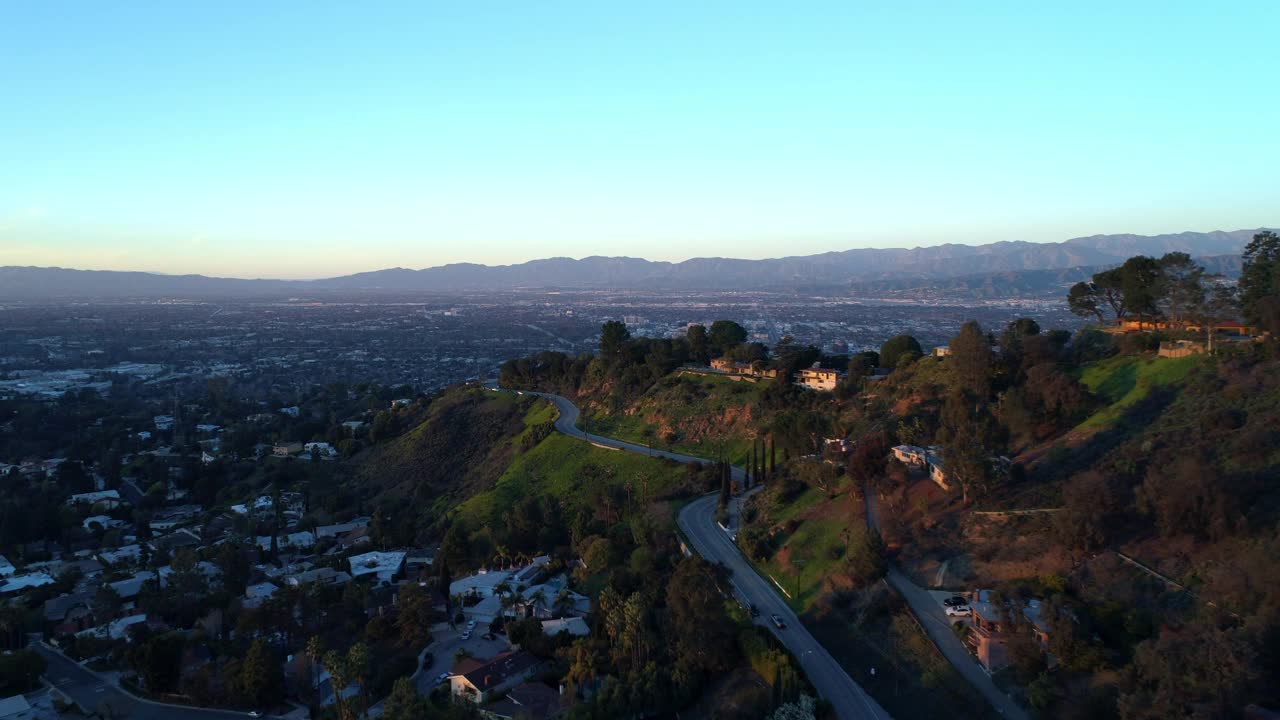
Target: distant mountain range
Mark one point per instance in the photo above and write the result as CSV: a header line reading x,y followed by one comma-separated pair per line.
x,y
850,270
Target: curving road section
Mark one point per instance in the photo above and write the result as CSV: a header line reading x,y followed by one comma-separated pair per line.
x,y
95,693
698,521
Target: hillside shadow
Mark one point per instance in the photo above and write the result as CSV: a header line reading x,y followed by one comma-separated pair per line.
x,y
1133,419
1118,383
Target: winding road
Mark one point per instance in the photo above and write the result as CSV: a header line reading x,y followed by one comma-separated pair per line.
x,y
95,693
698,521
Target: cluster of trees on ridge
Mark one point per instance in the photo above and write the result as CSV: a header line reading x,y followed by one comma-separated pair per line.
x,y
1176,291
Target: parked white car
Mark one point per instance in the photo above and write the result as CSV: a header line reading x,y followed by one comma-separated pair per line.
x,y
958,611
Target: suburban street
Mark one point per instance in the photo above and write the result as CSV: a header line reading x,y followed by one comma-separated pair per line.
x,y
929,611
698,522
93,693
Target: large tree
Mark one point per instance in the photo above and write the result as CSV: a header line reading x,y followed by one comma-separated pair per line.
x,y
704,635
1140,280
970,360
613,339
261,675
725,334
1260,280
896,347
1103,293
1181,288
699,345
970,436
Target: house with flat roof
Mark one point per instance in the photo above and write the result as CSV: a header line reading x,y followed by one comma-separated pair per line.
x,y
319,576
383,565
18,583
575,626
110,499
820,379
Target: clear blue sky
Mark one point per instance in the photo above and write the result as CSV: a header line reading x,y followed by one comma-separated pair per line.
x,y
302,139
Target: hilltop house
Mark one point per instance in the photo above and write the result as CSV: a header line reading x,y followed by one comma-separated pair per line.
x,y
725,365
821,379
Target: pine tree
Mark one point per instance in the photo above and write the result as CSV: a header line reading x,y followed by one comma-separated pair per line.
x,y
773,456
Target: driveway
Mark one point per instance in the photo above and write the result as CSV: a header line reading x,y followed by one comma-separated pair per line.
x,y
928,609
446,644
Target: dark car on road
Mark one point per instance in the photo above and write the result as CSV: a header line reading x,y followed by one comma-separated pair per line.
x,y
777,621
955,601
752,610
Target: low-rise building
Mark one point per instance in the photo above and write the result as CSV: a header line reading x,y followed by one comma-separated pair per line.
x,y
318,576
256,595
575,626
912,455
383,565
529,701
18,583
480,681
286,449
110,499
820,379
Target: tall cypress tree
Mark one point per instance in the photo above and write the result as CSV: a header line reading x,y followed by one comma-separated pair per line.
x,y
724,484
773,456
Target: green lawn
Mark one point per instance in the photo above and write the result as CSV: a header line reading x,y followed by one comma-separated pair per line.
x,y
1125,381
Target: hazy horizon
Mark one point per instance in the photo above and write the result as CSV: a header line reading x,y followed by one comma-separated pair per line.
x,y
355,271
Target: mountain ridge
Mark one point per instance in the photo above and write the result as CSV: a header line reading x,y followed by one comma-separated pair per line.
x,y
843,268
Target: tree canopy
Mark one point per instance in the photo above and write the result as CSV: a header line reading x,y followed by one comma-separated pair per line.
x,y
896,347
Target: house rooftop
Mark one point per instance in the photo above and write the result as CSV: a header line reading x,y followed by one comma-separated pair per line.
x,y
382,563
500,669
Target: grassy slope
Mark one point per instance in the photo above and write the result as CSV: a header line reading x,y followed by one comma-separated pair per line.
x,y
465,442
561,467
1126,380
710,414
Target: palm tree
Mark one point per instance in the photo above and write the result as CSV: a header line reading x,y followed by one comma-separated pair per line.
x,y
539,599
501,555
564,602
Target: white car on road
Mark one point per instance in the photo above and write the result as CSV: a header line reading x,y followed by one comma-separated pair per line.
x,y
957,611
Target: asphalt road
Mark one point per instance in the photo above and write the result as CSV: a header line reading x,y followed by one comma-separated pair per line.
x,y
698,521
91,691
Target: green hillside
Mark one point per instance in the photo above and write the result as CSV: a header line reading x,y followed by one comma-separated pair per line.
x,y
1124,381
573,473
699,414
